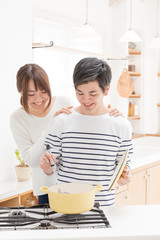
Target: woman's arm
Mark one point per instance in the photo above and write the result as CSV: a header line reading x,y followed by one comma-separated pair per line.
x,y
31,152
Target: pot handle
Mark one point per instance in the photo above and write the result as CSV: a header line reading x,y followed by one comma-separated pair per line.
x,y
44,189
98,188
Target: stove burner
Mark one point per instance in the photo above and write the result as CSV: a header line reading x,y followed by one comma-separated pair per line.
x,y
43,217
45,223
17,213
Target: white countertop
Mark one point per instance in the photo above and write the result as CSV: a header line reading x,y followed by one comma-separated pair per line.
x,y
146,151
128,223
13,187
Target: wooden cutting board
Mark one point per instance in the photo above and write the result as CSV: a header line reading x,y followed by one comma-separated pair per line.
x,y
125,85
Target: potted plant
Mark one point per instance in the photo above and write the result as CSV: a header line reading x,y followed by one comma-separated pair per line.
x,y
23,171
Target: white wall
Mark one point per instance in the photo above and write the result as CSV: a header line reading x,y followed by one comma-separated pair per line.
x,y
15,50
144,22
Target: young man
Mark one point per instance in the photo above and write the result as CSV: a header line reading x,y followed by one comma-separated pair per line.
x,y
87,144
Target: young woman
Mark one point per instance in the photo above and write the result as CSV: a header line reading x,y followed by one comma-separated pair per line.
x,y
31,123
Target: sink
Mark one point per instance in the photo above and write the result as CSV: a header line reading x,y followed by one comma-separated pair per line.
x,y
141,152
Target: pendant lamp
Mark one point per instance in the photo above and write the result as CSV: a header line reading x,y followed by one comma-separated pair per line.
x,y
87,32
130,35
155,42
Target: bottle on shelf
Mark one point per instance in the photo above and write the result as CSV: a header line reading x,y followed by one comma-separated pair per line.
x,y
131,109
131,65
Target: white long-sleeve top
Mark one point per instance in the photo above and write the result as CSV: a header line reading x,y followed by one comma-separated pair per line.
x,y
29,132
87,149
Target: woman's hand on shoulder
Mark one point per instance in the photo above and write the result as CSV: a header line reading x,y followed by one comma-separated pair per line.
x,y
114,112
64,110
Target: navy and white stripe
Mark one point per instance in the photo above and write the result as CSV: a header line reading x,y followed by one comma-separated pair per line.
x,y
88,156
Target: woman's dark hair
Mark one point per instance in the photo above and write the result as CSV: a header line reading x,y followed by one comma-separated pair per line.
x,y
92,69
40,78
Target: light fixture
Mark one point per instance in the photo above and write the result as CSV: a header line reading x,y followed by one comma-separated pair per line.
x,y
87,32
155,42
130,35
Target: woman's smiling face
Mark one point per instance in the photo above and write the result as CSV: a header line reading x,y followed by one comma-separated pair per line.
x,y
37,99
90,97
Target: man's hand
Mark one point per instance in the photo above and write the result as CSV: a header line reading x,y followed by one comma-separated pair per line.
x,y
125,178
45,163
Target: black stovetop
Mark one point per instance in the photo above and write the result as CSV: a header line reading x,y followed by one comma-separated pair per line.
x,y
43,217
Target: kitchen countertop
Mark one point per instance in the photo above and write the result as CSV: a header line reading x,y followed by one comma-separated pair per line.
x,y
13,187
146,151
127,223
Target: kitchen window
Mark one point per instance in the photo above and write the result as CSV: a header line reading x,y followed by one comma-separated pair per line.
x,y
60,65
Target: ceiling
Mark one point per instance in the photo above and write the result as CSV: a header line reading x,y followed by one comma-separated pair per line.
x,y
73,12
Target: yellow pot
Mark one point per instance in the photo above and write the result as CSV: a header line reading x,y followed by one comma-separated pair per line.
x,y
71,198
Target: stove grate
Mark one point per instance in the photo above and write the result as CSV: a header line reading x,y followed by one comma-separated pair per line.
x,y
29,218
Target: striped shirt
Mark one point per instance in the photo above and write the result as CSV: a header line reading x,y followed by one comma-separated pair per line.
x,y
88,148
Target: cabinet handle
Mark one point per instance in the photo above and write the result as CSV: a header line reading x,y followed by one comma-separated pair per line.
x,y
126,197
146,176
149,175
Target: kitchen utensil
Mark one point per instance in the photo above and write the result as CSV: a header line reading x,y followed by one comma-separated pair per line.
x,y
118,171
47,147
80,198
125,84
60,190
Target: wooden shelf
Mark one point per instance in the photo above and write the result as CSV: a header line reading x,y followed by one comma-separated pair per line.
x,y
158,74
134,117
138,135
134,74
133,51
135,96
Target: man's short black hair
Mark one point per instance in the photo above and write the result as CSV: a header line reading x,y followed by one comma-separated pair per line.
x,y
92,69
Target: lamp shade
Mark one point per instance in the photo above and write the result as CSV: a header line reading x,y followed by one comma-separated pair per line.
x,y
155,43
130,36
87,32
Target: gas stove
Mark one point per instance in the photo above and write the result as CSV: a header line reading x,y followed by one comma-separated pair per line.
x,y
43,217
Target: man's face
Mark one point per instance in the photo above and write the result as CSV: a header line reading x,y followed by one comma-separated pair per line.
x,y
90,97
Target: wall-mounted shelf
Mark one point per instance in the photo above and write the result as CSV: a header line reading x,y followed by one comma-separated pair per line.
x,y
75,51
134,117
133,51
135,96
134,74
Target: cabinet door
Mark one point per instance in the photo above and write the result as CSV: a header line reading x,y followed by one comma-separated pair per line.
x,y
153,188
121,198
137,189
136,193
